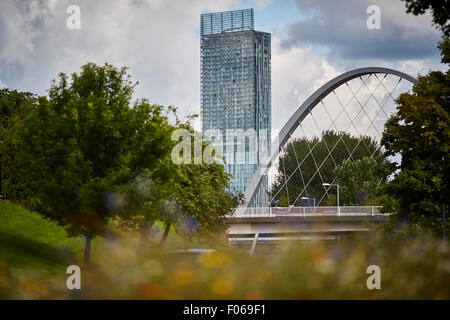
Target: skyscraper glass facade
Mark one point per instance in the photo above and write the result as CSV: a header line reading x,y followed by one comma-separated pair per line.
x,y
236,91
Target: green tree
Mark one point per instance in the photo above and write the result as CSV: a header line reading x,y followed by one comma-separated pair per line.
x,y
193,200
200,198
139,202
420,132
14,106
338,144
444,46
86,143
358,182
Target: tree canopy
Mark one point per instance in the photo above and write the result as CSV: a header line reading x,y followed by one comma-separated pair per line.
x,y
202,194
420,132
358,181
84,141
326,153
14,106
86,155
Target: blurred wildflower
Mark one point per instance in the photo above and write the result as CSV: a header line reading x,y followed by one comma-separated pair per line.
x,y
148,290
32,289
126,268
214,259
153,268
183,277
222,287
325,265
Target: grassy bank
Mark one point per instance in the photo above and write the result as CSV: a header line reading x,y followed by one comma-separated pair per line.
x,y
28,240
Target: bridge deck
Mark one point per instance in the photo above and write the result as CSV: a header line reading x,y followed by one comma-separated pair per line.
x,y
327,223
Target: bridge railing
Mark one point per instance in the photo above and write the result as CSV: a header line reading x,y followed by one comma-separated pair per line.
x,y
320,210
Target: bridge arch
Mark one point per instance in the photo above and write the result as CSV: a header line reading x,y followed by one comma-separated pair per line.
x,y
302,111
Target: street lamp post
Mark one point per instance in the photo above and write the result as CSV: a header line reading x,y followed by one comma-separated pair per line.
x,y
338,208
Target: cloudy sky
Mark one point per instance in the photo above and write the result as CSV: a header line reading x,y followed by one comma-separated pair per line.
x,y
312,41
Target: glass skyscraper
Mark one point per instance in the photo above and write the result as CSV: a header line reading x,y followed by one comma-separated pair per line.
x,y
236,92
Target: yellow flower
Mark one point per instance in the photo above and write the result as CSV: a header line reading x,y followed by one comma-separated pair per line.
x,y
222,287
214,259
183,277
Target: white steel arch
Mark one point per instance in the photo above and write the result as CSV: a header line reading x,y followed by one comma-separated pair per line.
x,y
302,111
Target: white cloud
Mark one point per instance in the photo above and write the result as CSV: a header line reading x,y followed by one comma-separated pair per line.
x,y
159,41
343,30
296,73
262,3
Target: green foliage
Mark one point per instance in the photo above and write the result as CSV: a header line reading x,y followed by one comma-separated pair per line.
x,y
192,196
340,144
358,182
420,132
14,106
88,156
201,197
85,142
153,177
444,46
